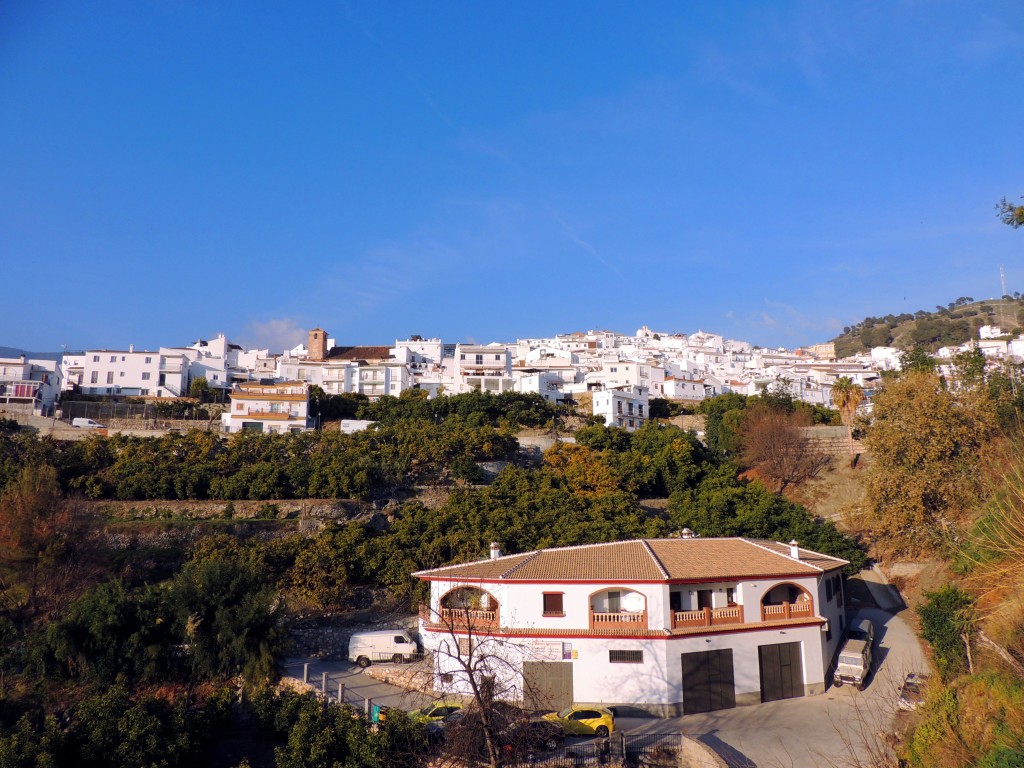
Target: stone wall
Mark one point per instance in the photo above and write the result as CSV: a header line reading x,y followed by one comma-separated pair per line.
x,y
279,509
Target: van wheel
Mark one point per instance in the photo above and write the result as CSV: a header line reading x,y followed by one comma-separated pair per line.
x,y
837,683
398,658
362,662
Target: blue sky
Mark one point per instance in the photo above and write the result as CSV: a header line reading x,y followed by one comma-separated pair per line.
x,y
485,171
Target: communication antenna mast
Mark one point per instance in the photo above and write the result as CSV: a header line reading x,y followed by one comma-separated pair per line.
x,y
1002,279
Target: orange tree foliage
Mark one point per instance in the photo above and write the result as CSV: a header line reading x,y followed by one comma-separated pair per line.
x,y
926,446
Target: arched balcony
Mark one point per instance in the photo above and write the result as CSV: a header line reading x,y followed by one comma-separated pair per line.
x,y
786,601
469,608
620,608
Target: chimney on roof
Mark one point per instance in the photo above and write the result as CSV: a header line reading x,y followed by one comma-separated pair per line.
x,y
794,549
495,550
686,534
131,347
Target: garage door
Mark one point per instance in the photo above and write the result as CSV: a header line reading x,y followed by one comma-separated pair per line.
x,y
708,681
782,674
547,684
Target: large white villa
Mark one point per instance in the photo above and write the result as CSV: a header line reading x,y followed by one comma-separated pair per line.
x,y
669,626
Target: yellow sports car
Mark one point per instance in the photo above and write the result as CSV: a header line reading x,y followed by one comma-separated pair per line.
x,y
582,720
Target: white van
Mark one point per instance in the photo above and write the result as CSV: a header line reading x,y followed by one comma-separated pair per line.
x,y
393,645
86,424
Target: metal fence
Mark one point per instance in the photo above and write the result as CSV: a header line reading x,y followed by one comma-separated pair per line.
x,y
642,750
105,411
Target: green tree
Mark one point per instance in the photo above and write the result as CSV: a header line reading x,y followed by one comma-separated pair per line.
x,y
917,360
199,388
229,617
1010,214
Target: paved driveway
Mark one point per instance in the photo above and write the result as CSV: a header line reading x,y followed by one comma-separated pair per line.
x,y
832,729
358,687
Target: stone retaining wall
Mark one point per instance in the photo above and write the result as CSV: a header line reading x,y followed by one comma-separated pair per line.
x,y
278,509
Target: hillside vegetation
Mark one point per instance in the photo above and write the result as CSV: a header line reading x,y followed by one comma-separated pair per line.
x,y
952,324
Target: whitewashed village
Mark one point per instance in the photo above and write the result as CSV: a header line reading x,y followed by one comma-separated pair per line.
x,y
615,375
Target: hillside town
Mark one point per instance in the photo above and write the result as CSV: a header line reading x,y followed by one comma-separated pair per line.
x,y
609,374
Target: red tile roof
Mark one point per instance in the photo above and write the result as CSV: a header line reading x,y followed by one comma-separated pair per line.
x,y
645,560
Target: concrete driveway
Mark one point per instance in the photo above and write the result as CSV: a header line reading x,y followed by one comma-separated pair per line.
x,y
837,728
358,687
840,727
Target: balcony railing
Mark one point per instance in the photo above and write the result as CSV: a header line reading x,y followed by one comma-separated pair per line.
x,y
618,619
707,617
787,611
461,618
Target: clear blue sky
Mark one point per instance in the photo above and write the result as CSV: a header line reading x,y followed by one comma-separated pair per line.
x,y
771,171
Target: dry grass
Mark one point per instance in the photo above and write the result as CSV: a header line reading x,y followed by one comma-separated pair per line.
x,y
837,494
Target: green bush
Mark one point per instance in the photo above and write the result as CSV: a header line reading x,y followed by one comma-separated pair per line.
x,y
946,617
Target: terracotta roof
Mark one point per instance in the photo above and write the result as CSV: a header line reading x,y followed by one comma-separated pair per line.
x,y
359,353
645,560
806,555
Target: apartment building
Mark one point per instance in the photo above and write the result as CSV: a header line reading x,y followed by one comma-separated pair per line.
x,y
29,385
127,373
624,407
277,408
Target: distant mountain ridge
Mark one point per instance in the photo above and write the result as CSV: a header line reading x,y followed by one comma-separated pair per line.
x,y
15,352
951,325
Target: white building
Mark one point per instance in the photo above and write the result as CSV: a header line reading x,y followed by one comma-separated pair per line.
x,y
127,373
670,626
278,408
486,368
625,407
29,385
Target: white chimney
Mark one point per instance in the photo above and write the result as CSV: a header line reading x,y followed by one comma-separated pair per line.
x,y
495,550
131,347
686,534
794,550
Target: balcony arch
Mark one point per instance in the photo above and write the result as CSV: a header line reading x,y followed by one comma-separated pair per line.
x,y
469,608
618,608
787,600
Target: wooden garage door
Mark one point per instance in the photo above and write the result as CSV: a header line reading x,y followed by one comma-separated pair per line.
x,y
708,681
782,674
547,684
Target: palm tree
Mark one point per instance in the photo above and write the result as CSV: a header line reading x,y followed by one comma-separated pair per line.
x,y
846,396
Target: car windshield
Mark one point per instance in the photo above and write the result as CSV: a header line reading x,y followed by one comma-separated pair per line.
x,y
851,660
912,686
565,712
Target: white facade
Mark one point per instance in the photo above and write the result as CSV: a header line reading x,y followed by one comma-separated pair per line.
x,y
276,408
625,407
32,384
127,373
655,620
485,368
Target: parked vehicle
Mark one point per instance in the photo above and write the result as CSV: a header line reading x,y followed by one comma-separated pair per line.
x,y
81,423
854,664
535,735
437,729
862,629
439,710
580,719
393,645
912,692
